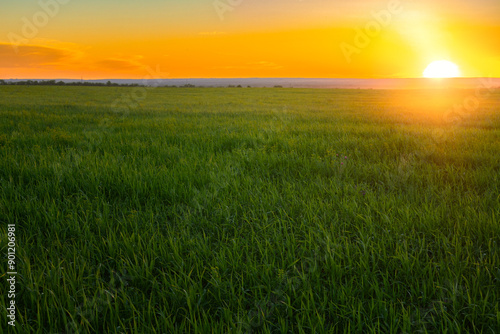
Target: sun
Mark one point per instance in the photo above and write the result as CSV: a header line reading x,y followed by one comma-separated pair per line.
x,y
442,69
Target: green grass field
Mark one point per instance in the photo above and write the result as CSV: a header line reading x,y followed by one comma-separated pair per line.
x,y
250,210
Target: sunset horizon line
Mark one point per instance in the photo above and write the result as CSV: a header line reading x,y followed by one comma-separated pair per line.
x,y
255,77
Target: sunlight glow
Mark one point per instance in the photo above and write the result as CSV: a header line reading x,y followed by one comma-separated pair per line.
x,y
442,69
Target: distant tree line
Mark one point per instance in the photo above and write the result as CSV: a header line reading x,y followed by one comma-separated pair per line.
x,y
62,83
87,83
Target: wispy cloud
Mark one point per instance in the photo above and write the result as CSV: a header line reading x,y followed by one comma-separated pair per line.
x,y
212,33
32,56
66,58
255,65
114,64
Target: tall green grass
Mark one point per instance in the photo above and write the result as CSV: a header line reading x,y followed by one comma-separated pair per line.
x,y
251,211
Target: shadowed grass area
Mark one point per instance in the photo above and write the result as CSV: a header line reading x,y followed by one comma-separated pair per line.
x,y
251,210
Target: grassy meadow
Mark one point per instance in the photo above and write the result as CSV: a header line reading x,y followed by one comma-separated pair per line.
x,y
251,210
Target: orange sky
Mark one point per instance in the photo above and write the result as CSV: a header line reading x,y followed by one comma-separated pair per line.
x,y
102,39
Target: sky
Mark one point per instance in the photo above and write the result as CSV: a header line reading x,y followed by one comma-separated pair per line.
x,y
129,39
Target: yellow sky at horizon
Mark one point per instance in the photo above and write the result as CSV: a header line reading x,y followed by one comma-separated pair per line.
x,y
125,42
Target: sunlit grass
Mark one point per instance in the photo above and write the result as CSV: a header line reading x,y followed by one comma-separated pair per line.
x,y
251,210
